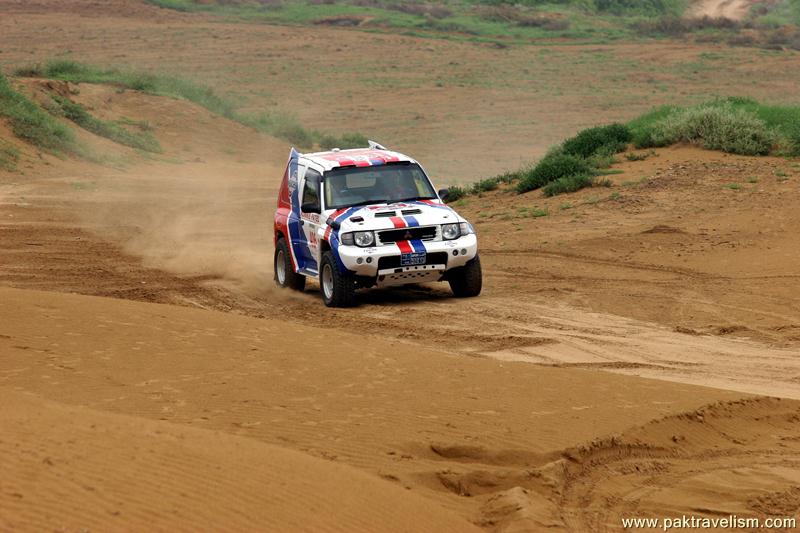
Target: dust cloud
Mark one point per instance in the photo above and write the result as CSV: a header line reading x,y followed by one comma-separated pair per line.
x,y
193,219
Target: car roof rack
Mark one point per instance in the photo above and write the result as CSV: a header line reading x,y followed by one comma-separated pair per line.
x,y
376,146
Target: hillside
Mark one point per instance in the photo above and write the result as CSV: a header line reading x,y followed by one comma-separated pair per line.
x,y
634,352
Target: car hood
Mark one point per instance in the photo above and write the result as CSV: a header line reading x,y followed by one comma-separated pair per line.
x,y
389,216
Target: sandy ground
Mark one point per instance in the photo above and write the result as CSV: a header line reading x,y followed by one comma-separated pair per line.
x,y
213,394
618,363
636,283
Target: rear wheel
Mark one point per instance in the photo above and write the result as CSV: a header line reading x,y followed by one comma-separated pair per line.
x,y
338,289
285,276
466,281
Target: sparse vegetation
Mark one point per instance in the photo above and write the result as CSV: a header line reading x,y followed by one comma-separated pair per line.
x,y
735,125
9,156
532,212
31,123
276,124
457,192
733,186
80,116
677,26
497,21
639,156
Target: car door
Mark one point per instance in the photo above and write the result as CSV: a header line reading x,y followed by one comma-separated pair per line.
x,y
305,238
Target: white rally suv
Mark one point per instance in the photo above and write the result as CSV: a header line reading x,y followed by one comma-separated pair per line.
x,y
365,217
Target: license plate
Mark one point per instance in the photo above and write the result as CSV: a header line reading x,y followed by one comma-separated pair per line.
x,y
413,259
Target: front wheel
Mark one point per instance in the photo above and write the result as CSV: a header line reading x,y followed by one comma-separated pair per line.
x,y
338,289
285,276
466,281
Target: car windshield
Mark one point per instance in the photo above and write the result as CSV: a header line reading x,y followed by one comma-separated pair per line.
x,y
395,182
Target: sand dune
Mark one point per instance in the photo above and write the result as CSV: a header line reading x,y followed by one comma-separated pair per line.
x,y
68,468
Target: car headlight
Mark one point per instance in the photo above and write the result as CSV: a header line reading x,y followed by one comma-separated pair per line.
x,y
450,231
466,229
364,238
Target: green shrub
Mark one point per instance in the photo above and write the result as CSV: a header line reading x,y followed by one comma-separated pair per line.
x,y
551,168
455,193
484,185
782,122
641,126
715,127
512,176
31,123
571,183
608,139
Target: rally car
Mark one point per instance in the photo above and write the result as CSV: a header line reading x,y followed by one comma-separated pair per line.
x,y
368,217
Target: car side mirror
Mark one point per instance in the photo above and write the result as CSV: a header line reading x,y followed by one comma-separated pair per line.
x,y
310,207
443,194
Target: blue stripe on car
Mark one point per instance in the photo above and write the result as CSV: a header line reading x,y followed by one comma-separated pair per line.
x,y
334,238
297,237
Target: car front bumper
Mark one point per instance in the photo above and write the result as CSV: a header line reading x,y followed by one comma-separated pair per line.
x,y
383,262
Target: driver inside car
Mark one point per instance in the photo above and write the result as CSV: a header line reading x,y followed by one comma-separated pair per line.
x,y
399,187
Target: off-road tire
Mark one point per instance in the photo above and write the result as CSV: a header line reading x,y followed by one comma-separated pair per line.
x,y
291,279
466,281
340,289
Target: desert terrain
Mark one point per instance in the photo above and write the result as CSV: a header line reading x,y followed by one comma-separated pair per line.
x,y
635,352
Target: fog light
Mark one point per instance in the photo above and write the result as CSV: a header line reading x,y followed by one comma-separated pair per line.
x,y
359,260
463,251
369,260
455,252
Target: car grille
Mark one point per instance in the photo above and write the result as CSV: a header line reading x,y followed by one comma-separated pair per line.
x,y
427,233
393,261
